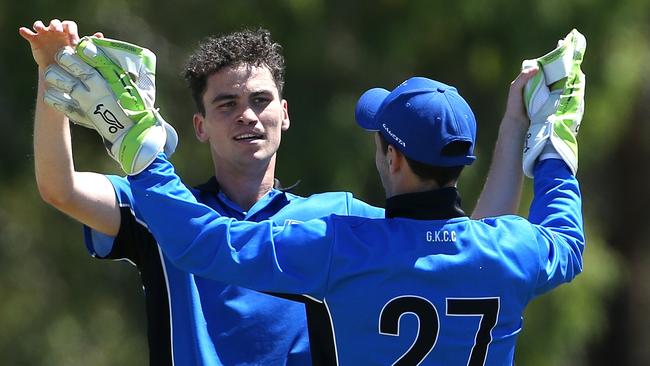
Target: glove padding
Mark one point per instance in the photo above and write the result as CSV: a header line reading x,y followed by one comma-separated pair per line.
x,y
554,100
109,86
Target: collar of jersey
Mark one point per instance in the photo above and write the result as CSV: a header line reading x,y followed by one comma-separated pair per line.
x,y
260,205
212,185
438,204
274,195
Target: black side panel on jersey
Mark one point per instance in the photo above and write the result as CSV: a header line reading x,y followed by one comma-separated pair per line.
x,y
135,243
321,338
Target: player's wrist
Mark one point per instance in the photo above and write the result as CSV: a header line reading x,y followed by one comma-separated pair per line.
x,y
41,74
514,126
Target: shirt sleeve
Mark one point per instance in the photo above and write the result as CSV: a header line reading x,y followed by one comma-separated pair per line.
x,y
357,207
556,212
124,246
262,256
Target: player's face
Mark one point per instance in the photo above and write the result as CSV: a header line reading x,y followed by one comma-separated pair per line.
x,y
244,116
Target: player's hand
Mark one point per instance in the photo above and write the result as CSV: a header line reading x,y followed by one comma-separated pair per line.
x,y
515,108
554,101
109,86
45,41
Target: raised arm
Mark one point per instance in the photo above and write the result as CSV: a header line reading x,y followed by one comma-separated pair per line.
x,y
502,190
258,255
87,197
555,104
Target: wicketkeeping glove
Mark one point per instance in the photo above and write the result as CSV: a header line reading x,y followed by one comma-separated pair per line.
x,y
554,100
109,86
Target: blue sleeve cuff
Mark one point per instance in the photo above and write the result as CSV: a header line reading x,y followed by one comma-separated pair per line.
x,y
552,166
98,244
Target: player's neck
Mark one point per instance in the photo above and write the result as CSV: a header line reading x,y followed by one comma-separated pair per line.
x,y
245,185
403,183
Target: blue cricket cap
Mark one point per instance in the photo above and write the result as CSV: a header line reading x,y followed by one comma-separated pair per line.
x,y
420,117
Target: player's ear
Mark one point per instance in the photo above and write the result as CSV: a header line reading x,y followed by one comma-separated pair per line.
x,y
199,127
395,159
285,115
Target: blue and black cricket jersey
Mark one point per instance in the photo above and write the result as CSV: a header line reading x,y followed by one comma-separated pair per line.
x,y
408,289
199,321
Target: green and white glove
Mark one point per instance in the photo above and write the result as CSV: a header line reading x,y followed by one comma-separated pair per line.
x,y
554,100
109,86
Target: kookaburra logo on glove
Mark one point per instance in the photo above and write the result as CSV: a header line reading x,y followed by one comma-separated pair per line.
x,y
109,118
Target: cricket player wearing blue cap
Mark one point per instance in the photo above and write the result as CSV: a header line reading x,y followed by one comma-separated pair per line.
x,y
426,284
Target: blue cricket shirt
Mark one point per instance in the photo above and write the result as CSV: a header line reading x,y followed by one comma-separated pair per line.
x,y
397,290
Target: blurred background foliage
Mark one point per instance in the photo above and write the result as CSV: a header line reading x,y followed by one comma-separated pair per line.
x,y
60,307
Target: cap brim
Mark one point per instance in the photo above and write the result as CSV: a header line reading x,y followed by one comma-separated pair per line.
x,y
367,108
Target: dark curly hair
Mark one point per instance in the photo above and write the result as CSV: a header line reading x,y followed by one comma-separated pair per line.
x,y
250,47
